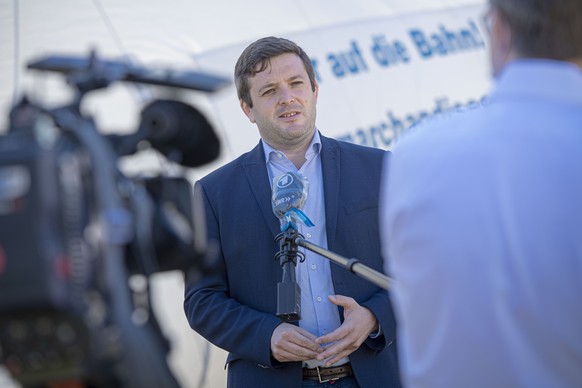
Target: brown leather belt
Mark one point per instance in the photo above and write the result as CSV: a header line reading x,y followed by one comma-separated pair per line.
x,y
323,375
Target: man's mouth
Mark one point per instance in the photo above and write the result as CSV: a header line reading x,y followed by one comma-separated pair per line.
x,y
290,114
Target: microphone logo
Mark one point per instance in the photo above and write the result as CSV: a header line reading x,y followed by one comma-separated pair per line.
x,y
284,181
289,196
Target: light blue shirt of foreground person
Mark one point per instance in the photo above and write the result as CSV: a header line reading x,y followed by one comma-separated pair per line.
x,y
482,212
318,315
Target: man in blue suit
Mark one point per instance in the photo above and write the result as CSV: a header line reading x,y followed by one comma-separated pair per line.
x,y
346,334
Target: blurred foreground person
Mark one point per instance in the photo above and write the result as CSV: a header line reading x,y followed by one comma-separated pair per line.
x,y
482,215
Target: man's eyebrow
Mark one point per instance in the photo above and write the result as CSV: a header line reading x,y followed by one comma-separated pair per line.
x,y
297,76
274,84
266,86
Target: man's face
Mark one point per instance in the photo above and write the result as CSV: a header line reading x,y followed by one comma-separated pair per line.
x,y
283,103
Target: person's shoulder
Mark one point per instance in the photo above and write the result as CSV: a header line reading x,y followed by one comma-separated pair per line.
x,y
225,172
435,128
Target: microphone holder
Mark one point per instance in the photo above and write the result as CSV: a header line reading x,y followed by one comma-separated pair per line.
x,y
352,265
288,291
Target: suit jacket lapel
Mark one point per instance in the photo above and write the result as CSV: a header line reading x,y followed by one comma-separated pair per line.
x,y
258,179
330,164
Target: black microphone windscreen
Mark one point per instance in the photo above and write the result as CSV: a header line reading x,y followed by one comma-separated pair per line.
x,y
180,132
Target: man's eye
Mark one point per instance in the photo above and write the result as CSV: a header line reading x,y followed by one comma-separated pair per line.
x,y
268,91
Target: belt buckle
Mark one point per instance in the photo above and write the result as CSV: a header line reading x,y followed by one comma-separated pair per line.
x,y
326,380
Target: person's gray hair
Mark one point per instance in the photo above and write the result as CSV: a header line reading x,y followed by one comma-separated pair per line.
x,y
550,29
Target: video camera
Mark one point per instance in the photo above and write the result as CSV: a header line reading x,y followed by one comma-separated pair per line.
x,y
79,239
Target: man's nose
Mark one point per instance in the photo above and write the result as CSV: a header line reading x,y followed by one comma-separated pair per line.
x,y
286,96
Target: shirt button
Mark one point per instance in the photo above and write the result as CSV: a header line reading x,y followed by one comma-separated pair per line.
x,y
319,298
313,267
308,235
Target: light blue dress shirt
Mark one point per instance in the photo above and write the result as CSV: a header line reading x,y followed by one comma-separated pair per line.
x,y
482,215
318,315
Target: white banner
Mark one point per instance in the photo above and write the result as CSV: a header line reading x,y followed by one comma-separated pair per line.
x,y
376,77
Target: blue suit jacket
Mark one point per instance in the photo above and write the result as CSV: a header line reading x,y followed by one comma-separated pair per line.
x,y
234,306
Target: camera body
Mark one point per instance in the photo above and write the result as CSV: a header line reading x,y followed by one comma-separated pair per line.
x,y
50,291
79,239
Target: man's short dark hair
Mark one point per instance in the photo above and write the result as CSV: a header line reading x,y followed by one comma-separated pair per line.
x,y
257,57
550,29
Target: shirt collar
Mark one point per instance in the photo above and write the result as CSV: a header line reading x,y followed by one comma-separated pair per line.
x,y
313,149
535,77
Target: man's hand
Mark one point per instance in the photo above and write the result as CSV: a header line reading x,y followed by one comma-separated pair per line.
x,y
358,323
292,343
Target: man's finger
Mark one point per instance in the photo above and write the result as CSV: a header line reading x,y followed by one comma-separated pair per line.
x,y
291,343
335,335
342,300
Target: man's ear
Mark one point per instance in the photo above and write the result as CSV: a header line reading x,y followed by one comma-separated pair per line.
x,y
316,91
502,49
248,111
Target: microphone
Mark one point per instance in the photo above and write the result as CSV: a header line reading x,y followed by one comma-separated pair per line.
x,y
177,130
180,132
288,198
121,70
